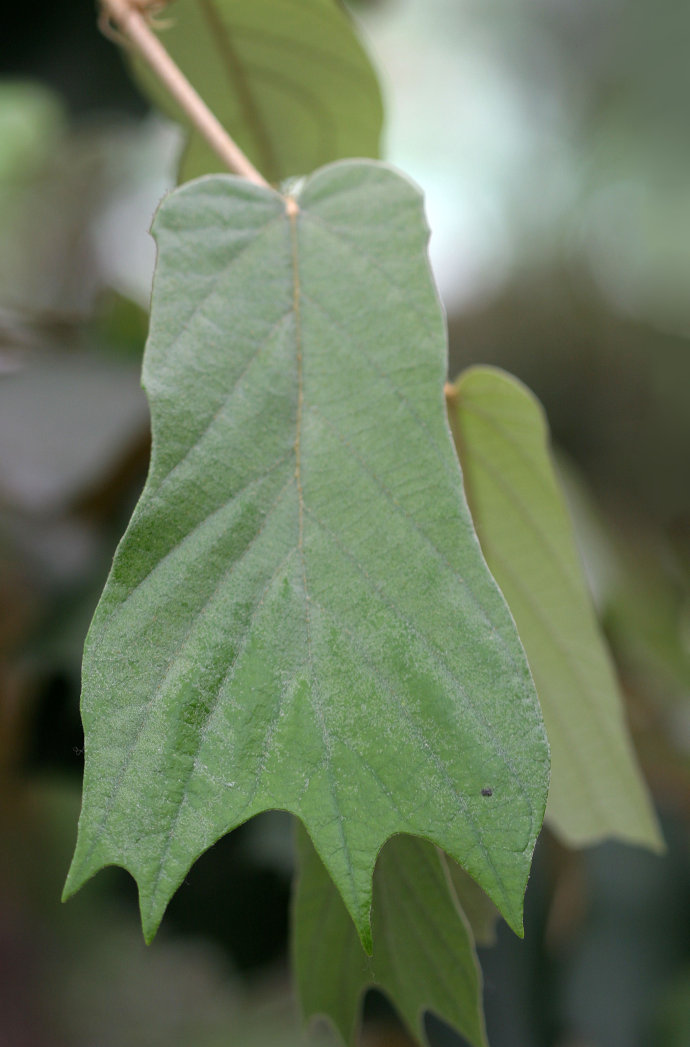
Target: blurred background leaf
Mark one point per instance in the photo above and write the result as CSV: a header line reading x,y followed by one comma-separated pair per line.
x,y
291,82
518,509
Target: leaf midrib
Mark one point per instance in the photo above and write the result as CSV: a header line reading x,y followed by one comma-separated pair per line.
x,y
317,704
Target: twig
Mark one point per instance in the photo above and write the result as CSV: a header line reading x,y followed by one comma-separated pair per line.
x,y
127,16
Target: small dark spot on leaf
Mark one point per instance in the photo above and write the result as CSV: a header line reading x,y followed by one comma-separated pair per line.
x,y
487,792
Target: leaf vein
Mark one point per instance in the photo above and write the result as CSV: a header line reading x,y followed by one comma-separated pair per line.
x,y
410,520
356,251
434,651
227,678
399,699
220,275
421,424
225,401
190,534
148,708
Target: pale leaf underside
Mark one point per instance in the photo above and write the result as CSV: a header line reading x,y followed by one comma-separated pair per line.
x,y
597,790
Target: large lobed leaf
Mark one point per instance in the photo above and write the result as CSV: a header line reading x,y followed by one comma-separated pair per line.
x,y
423,954
523,525
299,615
288,78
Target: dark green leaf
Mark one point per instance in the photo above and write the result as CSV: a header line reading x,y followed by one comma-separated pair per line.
x,y
299,615
423,956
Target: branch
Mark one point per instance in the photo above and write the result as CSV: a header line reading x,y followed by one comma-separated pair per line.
x,y
128,17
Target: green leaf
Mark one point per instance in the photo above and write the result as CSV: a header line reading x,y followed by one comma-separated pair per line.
x,y
31,121
289,79
523,525
423,956
299,616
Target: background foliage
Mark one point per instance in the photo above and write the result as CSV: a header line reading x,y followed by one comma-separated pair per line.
x,y
557,158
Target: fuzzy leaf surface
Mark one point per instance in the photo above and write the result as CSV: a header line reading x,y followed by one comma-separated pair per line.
x,y
288,78
299,616
501,435
423,953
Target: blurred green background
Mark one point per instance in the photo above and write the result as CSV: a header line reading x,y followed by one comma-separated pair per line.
x,y
552,139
